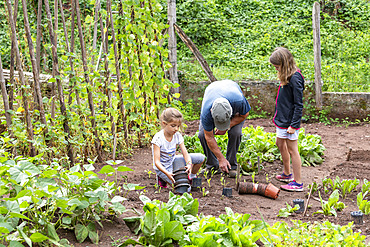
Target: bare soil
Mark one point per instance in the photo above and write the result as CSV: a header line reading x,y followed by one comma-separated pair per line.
x,y
337,140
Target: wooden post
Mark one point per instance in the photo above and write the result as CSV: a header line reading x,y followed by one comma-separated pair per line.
x,y
172,44
317,53
196,52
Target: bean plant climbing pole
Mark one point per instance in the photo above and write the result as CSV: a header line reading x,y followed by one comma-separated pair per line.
x,y
105,115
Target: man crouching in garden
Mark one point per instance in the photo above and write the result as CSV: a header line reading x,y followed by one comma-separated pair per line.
x,y
224,109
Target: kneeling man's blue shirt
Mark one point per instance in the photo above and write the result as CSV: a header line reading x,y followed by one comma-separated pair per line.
x,y
227,89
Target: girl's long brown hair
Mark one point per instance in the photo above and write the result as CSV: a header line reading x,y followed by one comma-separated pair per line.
x,y
282,57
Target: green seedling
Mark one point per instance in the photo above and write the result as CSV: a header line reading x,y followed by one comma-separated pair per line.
x,y
363,205
204,192
209,181
223,181
205,174
285,212
347,186
365,186
253,175
149,172
267,178
332,205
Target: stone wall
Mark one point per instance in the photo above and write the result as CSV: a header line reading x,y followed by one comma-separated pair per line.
x,y
262,95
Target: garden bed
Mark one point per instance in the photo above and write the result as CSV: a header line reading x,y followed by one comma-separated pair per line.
x,y
337,141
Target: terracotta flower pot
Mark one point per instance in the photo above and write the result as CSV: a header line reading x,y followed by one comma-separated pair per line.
x,y
272,191
268,190
247,188
261,189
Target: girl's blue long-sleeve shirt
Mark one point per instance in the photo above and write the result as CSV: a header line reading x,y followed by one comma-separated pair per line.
x,y
289,103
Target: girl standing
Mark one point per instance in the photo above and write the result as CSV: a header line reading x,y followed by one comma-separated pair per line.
x,y
164,145
287,117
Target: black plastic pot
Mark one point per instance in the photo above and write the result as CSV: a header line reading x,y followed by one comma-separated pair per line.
x,y
357,217
181,181
179,176
227,192
300,202
182,188
179,170
196,182
180,163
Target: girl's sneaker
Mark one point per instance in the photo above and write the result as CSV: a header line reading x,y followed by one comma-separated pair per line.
x,y
292,186
285,178
161,182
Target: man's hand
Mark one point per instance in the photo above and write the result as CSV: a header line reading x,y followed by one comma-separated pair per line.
x,y
220,132
224,165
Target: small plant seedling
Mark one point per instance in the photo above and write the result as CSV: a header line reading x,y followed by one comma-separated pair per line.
x,y
209,181
267,178
253,175
223,181
204,192
205,174
285,212
149,172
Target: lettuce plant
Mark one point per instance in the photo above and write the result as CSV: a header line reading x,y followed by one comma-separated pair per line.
x,y
332,205
363,205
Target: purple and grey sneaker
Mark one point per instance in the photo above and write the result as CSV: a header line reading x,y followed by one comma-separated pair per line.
x,y
285,178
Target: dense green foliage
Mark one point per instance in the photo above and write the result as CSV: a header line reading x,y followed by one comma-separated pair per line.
x,y
258,143
142,91
232,229
36,200
237,38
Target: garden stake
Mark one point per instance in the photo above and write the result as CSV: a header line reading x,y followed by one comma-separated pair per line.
x,y
258,164
349,153
308,200
237,176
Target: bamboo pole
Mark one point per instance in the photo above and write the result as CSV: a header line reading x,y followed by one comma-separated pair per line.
x,y
8,117
317,53
63,109
22,79
77,93
189,43
87,79
34,67
12,62
117,66
97,9
38,38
